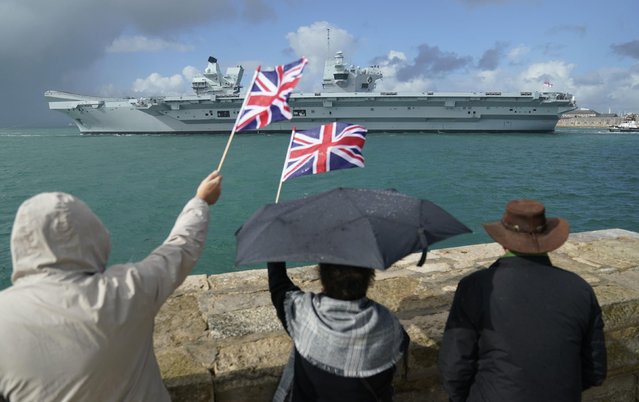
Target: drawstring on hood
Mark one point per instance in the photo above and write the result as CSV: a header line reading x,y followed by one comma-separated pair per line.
x,y
59,231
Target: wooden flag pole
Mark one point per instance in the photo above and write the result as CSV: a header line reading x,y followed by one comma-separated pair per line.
x,y
228,143
279,188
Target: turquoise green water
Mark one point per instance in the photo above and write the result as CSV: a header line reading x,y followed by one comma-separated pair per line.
x,y
138,184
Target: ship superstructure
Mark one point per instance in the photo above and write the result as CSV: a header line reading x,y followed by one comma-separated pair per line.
x,y
348,94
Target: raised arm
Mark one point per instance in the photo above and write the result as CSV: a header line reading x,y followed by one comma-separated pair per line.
x,y
279,284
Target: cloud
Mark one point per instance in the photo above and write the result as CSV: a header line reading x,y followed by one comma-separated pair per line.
x,y
614,88
257,11
431,61
320,41
556,71
630,49
139,43
516,54
317,45
159,17
491,57
156,84
592,78
552,49
389,64
190,72
47,45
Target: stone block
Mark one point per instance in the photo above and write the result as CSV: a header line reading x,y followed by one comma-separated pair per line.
x,y
239,282
193,284
619,305
213,303
618,253
185,379
622,346
249,370
179,321
257,320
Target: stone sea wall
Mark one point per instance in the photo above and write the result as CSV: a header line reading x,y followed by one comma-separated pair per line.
x,y
218,338
589,122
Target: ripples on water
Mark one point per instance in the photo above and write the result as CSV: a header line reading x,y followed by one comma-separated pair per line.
x,y
138,184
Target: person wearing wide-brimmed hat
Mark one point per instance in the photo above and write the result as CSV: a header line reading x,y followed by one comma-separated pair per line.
x,y
523,329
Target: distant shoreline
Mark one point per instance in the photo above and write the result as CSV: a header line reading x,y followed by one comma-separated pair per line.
x,y
589,122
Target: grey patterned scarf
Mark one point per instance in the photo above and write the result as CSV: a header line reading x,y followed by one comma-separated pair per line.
x,y
358,338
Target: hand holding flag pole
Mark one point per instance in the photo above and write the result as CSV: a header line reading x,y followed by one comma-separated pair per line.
x,y
266,99
329,147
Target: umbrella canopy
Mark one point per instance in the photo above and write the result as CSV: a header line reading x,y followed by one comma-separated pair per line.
x,y
348,226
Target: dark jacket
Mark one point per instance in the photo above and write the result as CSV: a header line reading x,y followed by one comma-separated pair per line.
x,y
522,330
312,383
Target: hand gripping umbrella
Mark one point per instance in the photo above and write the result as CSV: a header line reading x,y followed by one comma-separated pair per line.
x,y
348,226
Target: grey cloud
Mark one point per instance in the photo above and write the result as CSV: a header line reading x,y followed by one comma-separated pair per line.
x,y
158,17
491,57
43,43
258,11
385,60
552,49
591,79
622,75
431,61
630,49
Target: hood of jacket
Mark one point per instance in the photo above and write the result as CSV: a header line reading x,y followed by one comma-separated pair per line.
x,y
57,231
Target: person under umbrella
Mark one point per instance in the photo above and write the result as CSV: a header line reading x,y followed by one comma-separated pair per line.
x,y
346,346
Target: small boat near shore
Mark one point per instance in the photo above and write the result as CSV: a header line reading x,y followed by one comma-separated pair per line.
x,y
625,127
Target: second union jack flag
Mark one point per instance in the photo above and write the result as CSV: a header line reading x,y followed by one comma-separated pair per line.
x,y
329,147
266,101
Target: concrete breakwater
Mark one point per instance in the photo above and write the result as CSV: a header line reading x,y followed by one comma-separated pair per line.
x,y
218,339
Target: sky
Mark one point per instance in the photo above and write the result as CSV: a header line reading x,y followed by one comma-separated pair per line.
x,y
141,48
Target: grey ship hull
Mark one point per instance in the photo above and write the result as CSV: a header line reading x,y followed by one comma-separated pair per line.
x,y
378,112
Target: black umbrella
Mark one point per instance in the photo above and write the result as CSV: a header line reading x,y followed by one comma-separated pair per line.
x,y
349,226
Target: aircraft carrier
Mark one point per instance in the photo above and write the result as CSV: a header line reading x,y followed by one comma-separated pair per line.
x,y
348,94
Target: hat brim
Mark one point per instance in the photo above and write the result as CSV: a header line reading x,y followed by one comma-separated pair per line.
x,y
555,234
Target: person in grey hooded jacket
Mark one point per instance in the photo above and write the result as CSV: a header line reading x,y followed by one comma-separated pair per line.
x,y
73,330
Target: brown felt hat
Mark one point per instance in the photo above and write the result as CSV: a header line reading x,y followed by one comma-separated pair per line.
x,y
524,228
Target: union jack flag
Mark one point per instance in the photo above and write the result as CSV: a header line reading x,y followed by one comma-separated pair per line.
x,y
328,147
266,100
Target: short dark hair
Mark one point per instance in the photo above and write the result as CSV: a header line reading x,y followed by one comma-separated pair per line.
x,y
345,282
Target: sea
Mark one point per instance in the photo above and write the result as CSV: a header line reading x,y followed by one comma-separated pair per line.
x,y
138,184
